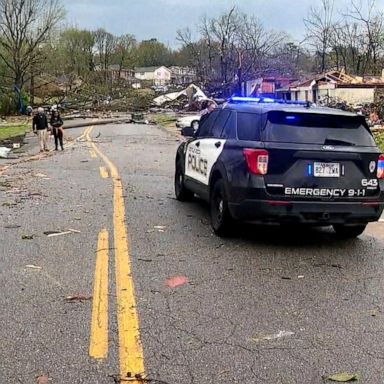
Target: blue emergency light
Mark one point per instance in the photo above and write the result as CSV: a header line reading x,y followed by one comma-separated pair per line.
x,y
247,99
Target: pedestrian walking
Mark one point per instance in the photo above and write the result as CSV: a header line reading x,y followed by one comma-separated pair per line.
x,y
57,129
40,128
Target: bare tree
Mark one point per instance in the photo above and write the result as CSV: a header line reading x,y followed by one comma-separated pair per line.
x,y
105,44
232,48
319,26
364,12
196,52
348,48
224,30
254,46
25,27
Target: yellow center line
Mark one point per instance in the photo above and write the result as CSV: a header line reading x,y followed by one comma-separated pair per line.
x,y
130,348
93,154
103,172
99,327
78,138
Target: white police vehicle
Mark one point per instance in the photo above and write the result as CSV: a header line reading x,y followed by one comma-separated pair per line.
x,y
273,161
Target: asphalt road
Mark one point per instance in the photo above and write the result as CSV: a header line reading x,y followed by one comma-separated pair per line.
x,y
271,305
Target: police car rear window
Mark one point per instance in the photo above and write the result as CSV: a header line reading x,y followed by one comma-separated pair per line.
x,y
248,126
315,128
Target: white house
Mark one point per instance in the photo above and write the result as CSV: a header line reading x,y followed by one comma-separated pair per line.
x,y
157,75
182,75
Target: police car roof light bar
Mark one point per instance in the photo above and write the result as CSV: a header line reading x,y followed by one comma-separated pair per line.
x,y
260,100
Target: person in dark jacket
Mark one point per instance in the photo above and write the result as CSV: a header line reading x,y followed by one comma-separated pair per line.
x,y
40,127
57,129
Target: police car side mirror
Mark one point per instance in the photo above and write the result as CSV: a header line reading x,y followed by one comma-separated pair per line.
x,y
188,132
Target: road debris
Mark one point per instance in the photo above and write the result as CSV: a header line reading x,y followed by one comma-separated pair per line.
x,y
31,266
275,336
43,379
61,233
9,204
41,175
80,298
27,237
4,152
12,226
177,281
159,227
343,377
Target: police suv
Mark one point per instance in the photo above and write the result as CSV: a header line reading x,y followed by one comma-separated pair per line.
x,y
273,161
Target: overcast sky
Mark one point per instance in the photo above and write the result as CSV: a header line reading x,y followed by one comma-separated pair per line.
x,y
161,18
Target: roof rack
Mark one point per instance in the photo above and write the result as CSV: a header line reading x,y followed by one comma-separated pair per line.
x,y
267,100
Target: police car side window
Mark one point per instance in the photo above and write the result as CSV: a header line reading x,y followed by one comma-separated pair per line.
x,y
248,126
229,127
205,129
220,123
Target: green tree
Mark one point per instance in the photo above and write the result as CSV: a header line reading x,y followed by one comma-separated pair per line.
x,y
153,53
124,55
77,51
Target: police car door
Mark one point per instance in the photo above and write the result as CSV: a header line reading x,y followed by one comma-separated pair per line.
x,y
213,145
196,160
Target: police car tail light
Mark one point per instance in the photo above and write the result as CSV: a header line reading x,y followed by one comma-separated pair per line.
x,y
380,167
257,160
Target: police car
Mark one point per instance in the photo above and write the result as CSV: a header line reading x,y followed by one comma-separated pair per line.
x,y
272,161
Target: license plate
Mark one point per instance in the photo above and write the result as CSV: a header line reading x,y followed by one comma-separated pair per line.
x,y
326,169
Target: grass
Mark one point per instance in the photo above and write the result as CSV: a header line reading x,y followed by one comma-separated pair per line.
x,y
164,120
15,130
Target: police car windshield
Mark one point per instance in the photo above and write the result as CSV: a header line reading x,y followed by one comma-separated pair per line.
x,y
315,128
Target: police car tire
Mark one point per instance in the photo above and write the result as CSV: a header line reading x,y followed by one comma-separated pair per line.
x,y
181,192
348,231
221,219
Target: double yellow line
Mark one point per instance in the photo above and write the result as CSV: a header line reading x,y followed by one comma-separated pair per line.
x,y
130,348
99,327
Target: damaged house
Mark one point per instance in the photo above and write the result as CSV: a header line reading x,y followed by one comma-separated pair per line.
x,y
335,85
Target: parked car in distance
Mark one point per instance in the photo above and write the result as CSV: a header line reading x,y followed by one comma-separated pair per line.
x,y
191,121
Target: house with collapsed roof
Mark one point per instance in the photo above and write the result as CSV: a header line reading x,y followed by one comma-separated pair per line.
x,y
265,86
337,86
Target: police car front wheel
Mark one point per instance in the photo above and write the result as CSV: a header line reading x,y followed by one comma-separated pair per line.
x,y
222,221
349,231
181,192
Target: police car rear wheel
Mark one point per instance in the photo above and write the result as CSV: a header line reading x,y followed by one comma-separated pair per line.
x,y
221,218
181,192
348,231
